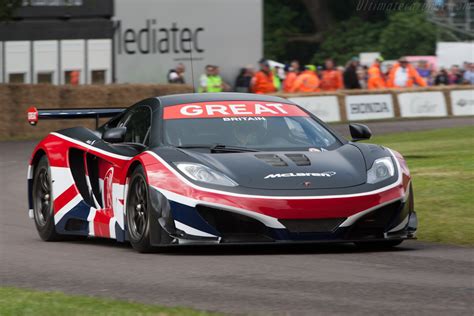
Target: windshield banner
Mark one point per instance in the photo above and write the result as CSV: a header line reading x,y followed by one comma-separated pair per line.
x,y
230,109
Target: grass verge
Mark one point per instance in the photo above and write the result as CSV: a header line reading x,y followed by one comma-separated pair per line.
x,y
14,301
442,165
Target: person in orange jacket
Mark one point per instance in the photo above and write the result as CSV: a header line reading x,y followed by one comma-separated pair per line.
x,y
331,77
376,79
307,81
404,75
262,82
291,75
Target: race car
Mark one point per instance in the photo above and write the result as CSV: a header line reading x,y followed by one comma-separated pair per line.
x,y
219,168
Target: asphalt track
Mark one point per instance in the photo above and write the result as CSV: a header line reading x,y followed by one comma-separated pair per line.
x,y
416,278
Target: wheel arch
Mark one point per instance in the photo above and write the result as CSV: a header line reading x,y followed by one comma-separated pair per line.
x,y
37,155
162,223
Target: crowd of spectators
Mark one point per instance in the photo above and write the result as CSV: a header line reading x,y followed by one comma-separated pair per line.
x,y
294,78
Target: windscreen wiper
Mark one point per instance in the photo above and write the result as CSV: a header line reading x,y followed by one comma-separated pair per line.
x,y
221,148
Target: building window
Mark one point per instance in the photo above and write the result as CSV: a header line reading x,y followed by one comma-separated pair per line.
x,y
44,77
72,77
55,3
98,77
16,78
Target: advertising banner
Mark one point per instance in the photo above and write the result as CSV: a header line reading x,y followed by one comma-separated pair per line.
x,y
422,104
324,107
369,107
151,37
462,102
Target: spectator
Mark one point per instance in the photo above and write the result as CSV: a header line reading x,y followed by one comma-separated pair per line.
x,y
291,73
276,78
376,77
442,78
211,81
424,70
307,81
404,75
455,75
469,74
177,75
363,74
351,79
242,83
331,77
204,79
262,82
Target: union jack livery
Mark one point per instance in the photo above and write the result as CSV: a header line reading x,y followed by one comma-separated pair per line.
x,y
216,169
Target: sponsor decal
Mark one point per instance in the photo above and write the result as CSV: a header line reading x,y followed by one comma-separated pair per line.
x,y
375,107
157,39
462,102
369,107
422,106
325,174
325,108
419,104
32,115
250,118
230,109
108,182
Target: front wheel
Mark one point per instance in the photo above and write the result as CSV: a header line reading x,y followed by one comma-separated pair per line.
x,y
43,201
138,212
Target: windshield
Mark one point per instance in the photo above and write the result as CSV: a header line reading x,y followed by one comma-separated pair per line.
x,y
250,125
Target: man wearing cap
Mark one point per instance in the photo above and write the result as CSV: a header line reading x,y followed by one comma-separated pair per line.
x,y
376,78
404,75
307,81
263,82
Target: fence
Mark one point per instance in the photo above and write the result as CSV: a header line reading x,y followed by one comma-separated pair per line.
x,y
338,106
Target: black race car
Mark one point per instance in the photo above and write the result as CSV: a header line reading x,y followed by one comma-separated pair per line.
x,y
216,168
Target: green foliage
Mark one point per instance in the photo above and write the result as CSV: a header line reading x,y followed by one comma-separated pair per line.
x,y
7,7
281,18
347,39
15,301
393,33
408,33
404,33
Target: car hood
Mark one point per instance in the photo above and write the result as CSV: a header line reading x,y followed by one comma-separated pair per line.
x,y
340,168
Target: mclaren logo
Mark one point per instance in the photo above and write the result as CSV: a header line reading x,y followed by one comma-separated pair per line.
x,y
325,174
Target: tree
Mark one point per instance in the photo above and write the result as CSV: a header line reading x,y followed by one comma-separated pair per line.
x,y
347,39
408,33
7,7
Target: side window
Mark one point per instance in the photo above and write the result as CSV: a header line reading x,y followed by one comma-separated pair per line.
x,y
296,130
138,125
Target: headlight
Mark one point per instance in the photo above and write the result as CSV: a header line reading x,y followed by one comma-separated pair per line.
x,y
382,169
202,173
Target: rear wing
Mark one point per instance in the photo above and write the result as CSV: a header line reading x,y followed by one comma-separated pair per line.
x,y
35,114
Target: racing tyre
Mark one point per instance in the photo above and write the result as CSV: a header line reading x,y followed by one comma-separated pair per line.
x,y
378,245
138,212
43,201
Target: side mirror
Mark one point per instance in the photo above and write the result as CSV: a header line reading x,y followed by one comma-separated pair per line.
x,y
359,132
115,135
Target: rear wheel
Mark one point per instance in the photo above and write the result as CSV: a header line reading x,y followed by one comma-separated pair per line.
x,y
385,244
138,212
43,201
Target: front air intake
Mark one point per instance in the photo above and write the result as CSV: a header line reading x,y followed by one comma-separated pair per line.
x,y
326,225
